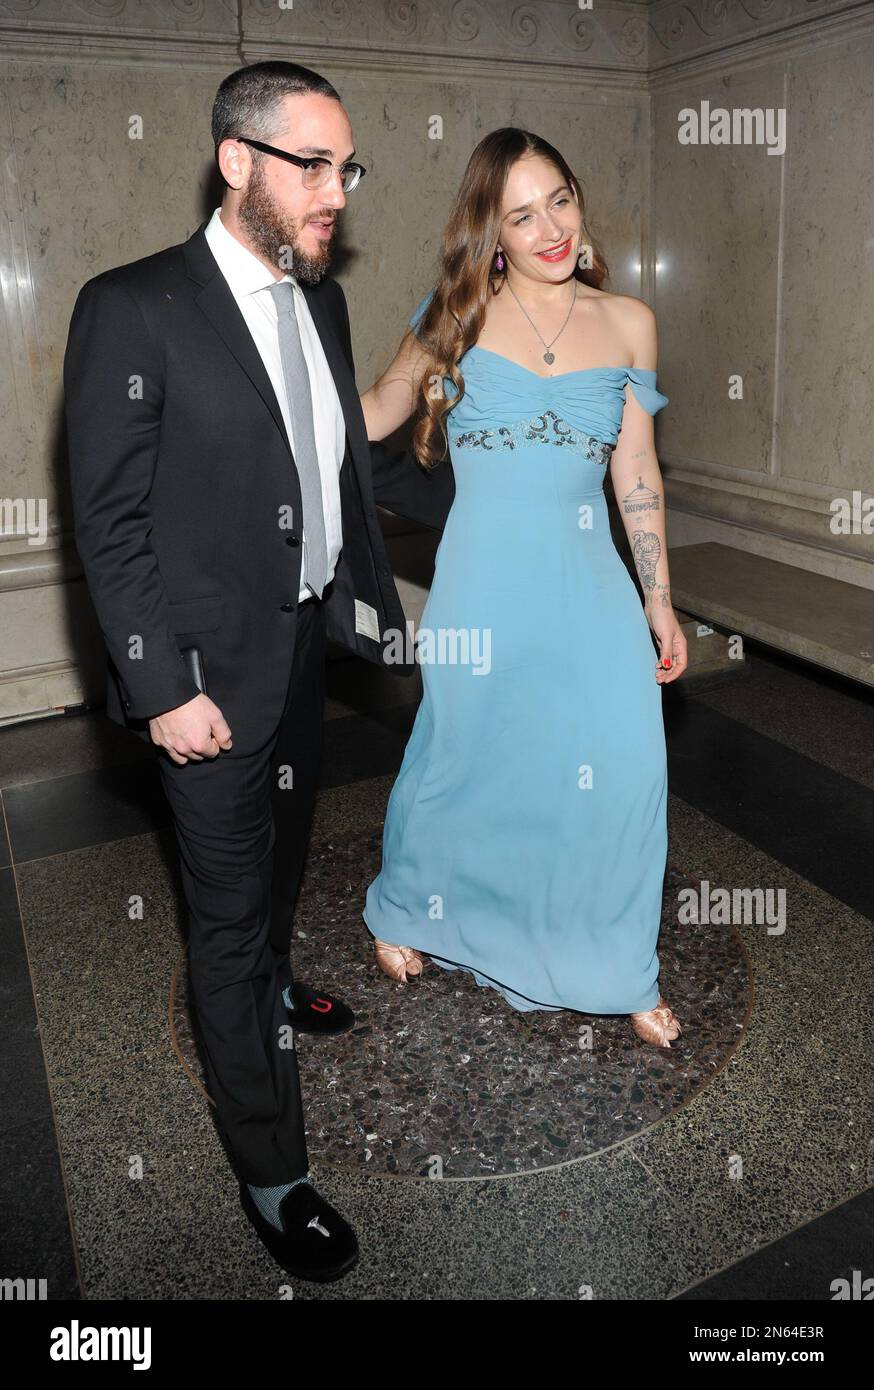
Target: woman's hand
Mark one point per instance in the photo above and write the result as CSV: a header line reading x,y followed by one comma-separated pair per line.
x,y
392,399
671,643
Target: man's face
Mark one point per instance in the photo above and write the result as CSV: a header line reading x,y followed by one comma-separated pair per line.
x,y
292,226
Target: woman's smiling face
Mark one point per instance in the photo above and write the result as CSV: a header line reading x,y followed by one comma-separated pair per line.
x,y
541,224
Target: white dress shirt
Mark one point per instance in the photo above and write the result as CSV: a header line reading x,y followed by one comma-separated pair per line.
x,y
249,281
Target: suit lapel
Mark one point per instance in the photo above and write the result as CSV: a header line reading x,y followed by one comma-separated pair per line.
x,y
218,303
222,310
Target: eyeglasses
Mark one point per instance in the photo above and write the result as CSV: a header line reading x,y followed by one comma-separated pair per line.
x,y
316,171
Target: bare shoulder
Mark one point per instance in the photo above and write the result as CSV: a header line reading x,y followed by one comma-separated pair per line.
x,y
637,324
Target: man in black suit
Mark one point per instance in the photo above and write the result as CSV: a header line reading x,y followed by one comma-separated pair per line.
x,y
224,497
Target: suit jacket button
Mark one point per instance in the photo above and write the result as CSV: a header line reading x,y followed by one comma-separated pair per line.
x,y
292,540
287,607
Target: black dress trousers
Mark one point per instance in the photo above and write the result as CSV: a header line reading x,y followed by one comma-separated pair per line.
x,y
242,841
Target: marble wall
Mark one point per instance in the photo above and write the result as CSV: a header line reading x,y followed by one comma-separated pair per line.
x,y
765,294
755,264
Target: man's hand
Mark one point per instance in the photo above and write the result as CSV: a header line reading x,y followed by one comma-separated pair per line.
x,y
195,730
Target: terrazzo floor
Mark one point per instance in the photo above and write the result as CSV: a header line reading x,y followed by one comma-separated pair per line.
x,y
444,1077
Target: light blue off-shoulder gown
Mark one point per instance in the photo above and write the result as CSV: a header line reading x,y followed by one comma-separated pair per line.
x,y
526,835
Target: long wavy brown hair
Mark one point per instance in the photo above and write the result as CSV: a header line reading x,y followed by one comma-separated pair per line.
x,y
467,276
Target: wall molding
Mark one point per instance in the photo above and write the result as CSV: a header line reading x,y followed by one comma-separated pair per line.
x,y
681,31
613,33
630,36
800,517
35,566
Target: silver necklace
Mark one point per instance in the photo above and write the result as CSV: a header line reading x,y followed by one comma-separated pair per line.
x,y
548,357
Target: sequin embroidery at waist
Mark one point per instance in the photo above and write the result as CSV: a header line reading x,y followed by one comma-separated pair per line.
x,y
548,428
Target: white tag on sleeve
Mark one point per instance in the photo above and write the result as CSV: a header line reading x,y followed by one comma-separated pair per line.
x,y
366,621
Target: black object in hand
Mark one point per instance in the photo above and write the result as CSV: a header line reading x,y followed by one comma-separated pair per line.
x,y
193,658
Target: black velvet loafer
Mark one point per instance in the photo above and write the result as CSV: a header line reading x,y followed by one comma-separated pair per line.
x,y
316,1241
318,1013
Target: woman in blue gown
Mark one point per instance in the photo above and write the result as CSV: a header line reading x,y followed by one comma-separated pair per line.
x,y
525,837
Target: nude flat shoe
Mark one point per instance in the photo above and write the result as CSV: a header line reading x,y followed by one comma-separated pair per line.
x,y
656,1025
395,961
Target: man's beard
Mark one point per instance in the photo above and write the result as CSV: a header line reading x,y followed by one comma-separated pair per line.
x,y
274,234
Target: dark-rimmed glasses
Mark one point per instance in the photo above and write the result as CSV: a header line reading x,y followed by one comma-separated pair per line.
x,y
316,171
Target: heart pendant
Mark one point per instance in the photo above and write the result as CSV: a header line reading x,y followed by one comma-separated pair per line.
x,y
549,357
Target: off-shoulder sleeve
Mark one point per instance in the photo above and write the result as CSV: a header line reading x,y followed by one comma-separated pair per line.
x,y
643,384
419,311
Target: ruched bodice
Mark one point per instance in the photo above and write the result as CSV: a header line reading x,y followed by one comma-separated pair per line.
x,y
592,400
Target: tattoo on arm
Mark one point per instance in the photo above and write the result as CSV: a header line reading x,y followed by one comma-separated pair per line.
x,y
646,549
663,592
640,500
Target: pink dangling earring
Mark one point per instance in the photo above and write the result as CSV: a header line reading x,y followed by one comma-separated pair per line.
x,y
500,261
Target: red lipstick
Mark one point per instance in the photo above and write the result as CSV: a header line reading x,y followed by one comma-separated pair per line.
x,y
557,254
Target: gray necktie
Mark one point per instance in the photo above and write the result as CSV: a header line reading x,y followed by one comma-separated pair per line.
x,y
300,404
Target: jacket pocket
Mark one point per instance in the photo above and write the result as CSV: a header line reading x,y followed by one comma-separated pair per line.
x,y
196,614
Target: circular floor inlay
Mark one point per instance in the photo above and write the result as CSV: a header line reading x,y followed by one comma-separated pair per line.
x,y
444,1078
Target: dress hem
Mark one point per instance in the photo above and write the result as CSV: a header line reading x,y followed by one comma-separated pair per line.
x,y
502,985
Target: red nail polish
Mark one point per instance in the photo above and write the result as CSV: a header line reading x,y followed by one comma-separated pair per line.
x,y
666,661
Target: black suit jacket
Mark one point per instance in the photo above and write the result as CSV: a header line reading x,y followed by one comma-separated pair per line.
x,y
182,478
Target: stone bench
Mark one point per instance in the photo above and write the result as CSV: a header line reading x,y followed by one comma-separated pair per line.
x,y
825,621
